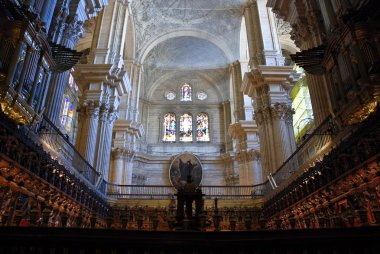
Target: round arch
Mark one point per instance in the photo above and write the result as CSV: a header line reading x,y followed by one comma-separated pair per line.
x,y
217,41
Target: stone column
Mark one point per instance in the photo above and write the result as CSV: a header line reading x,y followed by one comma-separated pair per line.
x,y
282,115
134,99
255,46
237,93
116,171
227,121
257,169
127,177
243,162
269,86
87,131
106,122
276,135
271,44
110,34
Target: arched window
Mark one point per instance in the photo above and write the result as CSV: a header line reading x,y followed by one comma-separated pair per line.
x,y
186,128
170,125
203,133
186,93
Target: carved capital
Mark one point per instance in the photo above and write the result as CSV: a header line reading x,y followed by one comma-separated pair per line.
x,y
90,109
123,154
282,111
73,29
258,117
118,154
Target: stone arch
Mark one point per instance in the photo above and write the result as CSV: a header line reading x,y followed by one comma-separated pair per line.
x,y
217,41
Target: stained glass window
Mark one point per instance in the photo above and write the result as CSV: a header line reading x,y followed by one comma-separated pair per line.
x,y
186,128
170,125
67,114
203,133
186,93
66,105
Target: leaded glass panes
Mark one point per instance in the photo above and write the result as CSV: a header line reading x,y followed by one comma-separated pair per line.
x,y
170,125
186,128
186,93
203,133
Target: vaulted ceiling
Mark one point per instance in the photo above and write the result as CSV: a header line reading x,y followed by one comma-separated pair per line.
x,y
186,35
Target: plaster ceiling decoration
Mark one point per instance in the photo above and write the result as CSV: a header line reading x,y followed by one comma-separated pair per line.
x,y
153,18
170,95
287,44
202,95
195,39
186,52
283,27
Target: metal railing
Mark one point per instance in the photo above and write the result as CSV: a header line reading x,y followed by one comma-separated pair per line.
x,y
315,143
66,153
151,192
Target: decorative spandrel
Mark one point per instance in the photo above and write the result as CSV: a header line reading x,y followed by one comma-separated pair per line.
x,y
186,128
170,125
183,165
203,133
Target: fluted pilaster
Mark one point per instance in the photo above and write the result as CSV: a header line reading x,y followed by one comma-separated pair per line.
x,y
87,133
135,98
277,136
255,46
237,93
106,122
122,166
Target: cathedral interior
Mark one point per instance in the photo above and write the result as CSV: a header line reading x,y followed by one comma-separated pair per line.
x,y
189,126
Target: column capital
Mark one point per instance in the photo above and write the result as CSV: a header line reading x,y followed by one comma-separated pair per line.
x,y
112,116
73,29
90,108
282,111
123,153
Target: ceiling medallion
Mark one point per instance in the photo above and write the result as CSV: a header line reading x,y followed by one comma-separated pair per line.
x,y
201,95
170,95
